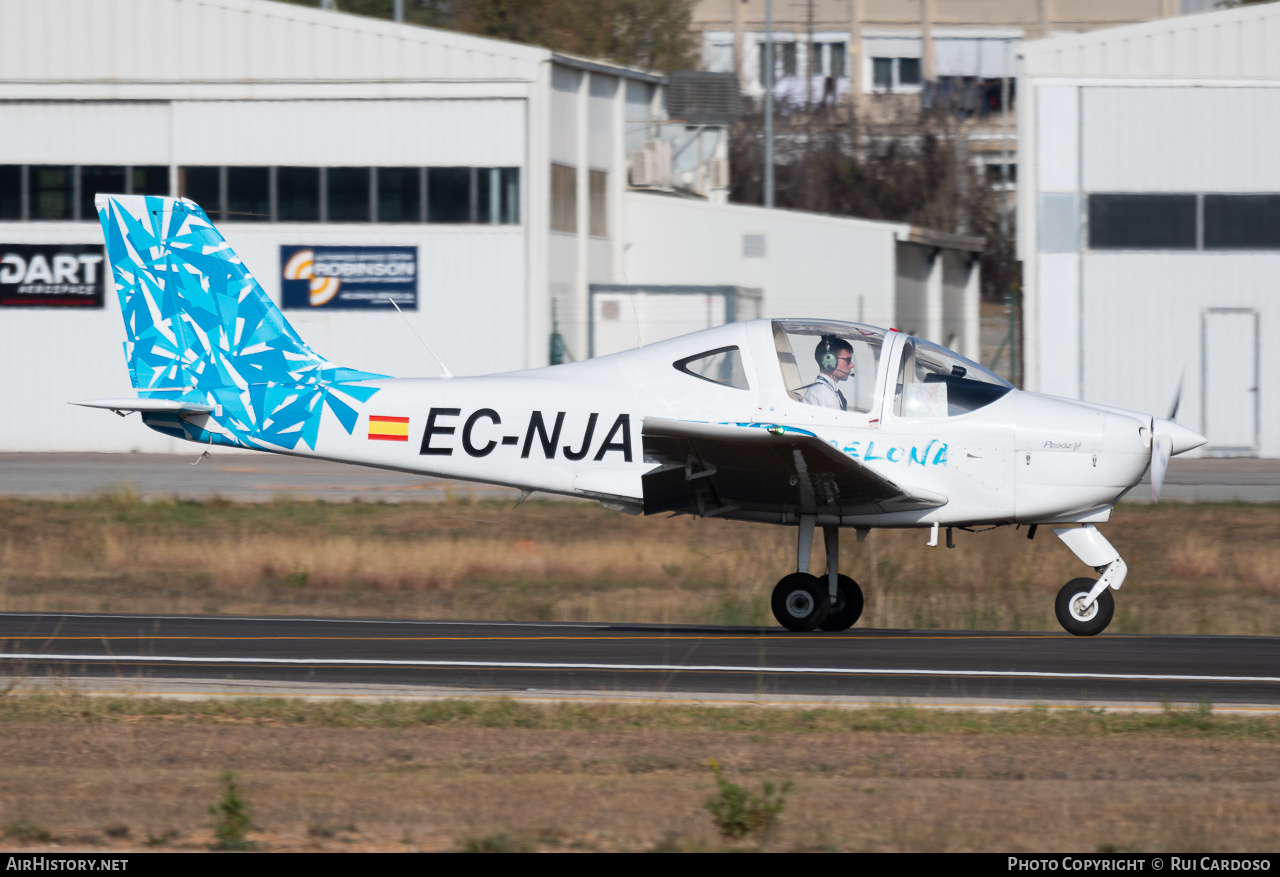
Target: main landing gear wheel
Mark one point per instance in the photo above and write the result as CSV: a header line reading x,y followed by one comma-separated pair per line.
x,y
801,602
848,608
1077,620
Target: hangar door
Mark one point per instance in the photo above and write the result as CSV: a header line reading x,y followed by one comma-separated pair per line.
x,y
1230,402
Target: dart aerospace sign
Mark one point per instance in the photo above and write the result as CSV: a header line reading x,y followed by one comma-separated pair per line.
x,y
348,278
51,275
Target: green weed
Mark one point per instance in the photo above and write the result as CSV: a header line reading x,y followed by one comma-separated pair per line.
x,y
738,812
163,839
231,817
26,830
497,843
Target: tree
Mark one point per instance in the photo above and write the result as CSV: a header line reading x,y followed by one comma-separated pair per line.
x,y
913,168
651,34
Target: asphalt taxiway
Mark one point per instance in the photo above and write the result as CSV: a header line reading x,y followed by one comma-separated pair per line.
x,y
736,662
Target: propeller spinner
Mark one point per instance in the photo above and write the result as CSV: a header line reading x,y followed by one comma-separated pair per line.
x,y
1168,440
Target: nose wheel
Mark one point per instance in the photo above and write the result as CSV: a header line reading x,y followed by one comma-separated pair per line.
x,y
1077,615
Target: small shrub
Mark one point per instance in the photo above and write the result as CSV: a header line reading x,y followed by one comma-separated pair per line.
x,y
738,812
497,843
231,815
162,839
27,830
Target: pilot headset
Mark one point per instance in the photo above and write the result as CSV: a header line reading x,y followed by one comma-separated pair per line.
x,y
829,359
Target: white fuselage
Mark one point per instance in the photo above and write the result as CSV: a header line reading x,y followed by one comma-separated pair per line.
x,y
577,430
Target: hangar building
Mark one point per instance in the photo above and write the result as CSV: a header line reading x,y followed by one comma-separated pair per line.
x,y
510,199
1149,209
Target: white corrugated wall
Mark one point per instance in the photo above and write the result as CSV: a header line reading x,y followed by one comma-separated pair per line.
x,y
1188,105
471,295
236,40
813,266
1176,139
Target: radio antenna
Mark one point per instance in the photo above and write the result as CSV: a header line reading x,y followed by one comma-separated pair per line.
x,y
445,368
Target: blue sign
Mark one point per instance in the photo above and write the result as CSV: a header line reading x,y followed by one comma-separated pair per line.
x,y
348,278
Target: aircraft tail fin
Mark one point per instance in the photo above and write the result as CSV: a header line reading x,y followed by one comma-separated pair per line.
x,y
200,329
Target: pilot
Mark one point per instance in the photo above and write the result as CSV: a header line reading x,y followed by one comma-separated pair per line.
x,y
835,363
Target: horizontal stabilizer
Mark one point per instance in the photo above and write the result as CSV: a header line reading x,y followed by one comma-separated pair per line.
x,y
168,406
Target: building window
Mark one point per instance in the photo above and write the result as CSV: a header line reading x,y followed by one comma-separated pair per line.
x,y
784,60
1242,222
1142,222
498,195
449,194
298,194
893,74
347,195
52,190
400,194
248,194
486,196
831,59
95,180
996,173
148,180
598,183
11,191
882,72
717,57
564,198
202,185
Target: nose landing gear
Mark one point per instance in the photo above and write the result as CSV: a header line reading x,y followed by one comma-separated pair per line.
x,y
1085,606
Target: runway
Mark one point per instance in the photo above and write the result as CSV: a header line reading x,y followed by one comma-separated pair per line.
x,y
734,662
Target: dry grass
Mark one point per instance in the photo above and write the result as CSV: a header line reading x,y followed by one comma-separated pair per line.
x,y
1193,569
110,774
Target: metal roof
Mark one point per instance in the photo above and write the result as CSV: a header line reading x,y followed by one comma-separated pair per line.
x,y
248,41
1241,43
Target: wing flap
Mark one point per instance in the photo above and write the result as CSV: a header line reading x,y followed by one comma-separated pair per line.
x,y
709,468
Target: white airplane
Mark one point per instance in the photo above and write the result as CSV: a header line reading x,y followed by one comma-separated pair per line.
x,y
802,423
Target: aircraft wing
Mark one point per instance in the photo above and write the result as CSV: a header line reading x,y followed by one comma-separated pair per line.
x,y
711,468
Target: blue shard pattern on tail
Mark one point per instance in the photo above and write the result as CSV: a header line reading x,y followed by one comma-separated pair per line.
x,y
201,329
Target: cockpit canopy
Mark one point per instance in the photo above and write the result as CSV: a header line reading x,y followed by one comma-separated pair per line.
x,y
936,382
932,381
801,344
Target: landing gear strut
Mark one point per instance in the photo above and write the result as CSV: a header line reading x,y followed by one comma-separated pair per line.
x,y
1085,606
804,602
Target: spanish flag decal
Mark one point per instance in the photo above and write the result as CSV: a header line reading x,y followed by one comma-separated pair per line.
x,y
388,429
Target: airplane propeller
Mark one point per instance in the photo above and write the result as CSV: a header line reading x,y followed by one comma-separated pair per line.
x,y
1168,439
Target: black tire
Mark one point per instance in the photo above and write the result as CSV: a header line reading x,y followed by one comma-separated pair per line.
x,y
1088,624
848,608
800,602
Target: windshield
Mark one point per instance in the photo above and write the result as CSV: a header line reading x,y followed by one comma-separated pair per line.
x,y
936,382
849,351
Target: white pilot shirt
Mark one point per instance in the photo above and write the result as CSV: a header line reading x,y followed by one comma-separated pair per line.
x,y
823,392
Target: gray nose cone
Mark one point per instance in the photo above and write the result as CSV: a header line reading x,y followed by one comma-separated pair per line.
x,y
1183,439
